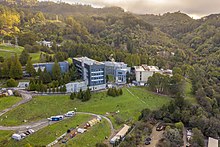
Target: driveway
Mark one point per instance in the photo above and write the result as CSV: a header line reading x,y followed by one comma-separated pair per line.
x,y
156,136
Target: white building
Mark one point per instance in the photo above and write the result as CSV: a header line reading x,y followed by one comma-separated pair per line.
x,y
121,134
118,70
144,72
76,86
212,142
23,85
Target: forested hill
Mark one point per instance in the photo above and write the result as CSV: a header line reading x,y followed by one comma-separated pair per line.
x,y
169,40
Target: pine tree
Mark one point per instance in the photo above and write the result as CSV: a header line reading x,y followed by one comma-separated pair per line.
x,y
24,57
66,78
56,72
5,70
16,69
30,68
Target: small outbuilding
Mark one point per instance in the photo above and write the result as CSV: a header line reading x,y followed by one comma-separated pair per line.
x,y
212,142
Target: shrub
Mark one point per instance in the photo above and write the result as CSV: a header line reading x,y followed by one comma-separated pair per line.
x,y
11,83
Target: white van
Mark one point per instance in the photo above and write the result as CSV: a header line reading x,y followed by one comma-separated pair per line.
x,y
16,137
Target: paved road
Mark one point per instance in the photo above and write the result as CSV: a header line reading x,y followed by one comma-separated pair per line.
x,y
26,98
44,123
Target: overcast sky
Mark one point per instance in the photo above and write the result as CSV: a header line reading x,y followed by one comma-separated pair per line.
x,y
194,8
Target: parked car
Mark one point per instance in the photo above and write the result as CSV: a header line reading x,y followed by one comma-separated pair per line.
x,y
56,118
148,139
160,127
69,114
147,142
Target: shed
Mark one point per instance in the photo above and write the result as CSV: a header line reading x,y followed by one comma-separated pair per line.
x,y
212,142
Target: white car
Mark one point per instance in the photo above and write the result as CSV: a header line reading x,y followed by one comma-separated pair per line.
x,y
69,114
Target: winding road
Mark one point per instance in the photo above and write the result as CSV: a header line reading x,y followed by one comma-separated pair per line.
x,y
44,122
26,98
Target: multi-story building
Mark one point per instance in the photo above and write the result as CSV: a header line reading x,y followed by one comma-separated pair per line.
x,y
64,66
92,72
118,70
144,72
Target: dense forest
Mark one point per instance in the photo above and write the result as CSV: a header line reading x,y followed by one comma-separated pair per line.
x,y
170,41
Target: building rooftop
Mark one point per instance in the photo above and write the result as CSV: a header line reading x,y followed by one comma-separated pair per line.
x,y
110,63
50,63
212,142
88,61
123,131
146,68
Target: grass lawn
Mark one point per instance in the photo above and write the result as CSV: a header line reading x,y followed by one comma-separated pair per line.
x,y
94,135
8,51
188,92
6,102
46,106
5,136
48,134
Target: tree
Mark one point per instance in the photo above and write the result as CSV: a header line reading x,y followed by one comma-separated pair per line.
x,y
179,126
15,69
66,78
11,83
198,138
174,137
56,72
45,77
86,95
80,94
24,57
30,68
73,96
5,69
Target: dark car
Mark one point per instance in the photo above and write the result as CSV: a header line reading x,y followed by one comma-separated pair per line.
x,y
148,139
147,142
160,127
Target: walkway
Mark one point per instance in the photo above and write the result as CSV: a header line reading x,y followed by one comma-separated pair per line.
x,y
26,98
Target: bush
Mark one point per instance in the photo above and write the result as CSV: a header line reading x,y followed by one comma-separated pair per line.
x,y
11,83
114,92
16,93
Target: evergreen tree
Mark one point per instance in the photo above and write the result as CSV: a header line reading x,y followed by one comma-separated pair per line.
x,y
66,78
73,73
86,95
24,57
56,72
80,94
5,69
72,96
30,68
45,77
16,69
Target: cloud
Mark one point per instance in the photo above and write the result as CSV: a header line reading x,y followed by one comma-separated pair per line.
x,y
191,7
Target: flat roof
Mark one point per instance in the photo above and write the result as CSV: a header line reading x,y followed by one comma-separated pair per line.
x,y
146,68
110,63
49,63
88,61
123,131
212,142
